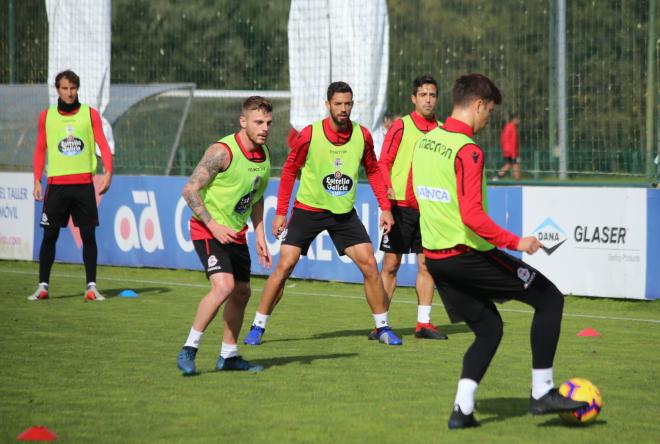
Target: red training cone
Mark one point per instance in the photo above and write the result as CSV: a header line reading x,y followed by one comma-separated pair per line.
x,y
588,332
37,433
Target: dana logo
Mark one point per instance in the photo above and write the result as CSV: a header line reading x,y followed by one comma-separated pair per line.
x,y
550,235
71,146
433,194
132,233
337,184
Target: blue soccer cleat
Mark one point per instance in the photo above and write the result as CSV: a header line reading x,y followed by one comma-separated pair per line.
x,y
254,335
237,363
186,361
387,336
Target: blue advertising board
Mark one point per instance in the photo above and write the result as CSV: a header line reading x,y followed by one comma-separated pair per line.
x,y
144,222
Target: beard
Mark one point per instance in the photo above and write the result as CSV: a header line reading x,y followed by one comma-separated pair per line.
x,y
338,122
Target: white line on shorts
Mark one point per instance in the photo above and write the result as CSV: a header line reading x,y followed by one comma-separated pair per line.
x,y
339,296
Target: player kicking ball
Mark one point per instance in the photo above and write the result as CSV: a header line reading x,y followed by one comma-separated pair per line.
x,y
459,240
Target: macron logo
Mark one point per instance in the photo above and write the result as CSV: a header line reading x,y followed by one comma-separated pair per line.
x,y
433,194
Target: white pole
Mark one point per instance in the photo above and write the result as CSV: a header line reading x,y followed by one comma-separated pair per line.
x,y
562,124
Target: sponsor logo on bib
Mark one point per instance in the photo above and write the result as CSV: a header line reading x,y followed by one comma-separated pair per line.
x,y
71,146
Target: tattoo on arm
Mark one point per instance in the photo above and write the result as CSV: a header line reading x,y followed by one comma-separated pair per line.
x,y
216,159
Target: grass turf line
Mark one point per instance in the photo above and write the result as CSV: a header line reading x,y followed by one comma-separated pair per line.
x,y
106,372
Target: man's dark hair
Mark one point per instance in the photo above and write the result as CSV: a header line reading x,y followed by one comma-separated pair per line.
x,y
258,103
470,87
70,76
338,87
424,79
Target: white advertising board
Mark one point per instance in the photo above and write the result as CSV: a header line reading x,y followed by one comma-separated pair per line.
x,y
16,216
594,239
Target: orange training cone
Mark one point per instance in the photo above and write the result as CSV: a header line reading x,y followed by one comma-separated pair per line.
x,y
588,332
37,433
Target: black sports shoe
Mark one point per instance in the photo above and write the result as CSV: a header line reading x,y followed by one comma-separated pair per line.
x,y
554,402
458,420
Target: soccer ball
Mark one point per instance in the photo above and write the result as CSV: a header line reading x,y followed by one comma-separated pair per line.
x,y
580,389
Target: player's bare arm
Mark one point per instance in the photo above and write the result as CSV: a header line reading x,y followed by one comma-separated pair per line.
x,y
38,193
257,217
215,160
386,221
529,244
278,225
106,180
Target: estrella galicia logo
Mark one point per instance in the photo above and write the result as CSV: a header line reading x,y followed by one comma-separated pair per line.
x,y
245,202
551,236
337,184
71,146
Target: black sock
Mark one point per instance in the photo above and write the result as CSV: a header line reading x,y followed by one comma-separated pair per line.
x,y
47,252
90,252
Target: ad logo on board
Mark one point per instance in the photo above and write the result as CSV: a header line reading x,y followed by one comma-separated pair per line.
x,y
551,235
143,232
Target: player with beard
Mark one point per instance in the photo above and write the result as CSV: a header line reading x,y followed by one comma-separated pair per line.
x,y
328,154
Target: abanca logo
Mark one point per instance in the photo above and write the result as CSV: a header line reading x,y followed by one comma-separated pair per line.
x,y
551,236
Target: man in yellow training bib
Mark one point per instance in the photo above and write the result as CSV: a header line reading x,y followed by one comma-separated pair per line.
x,y
67,134
225,189
328,154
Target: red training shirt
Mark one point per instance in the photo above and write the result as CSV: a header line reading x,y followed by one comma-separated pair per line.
x,y
509,140
296,160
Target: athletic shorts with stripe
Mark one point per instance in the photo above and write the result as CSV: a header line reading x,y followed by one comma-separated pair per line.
x,y
470,282
76,201
345,230
224,258
405,236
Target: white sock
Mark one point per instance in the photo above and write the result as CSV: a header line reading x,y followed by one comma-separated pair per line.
x,y
381,320
193,338
260,320
228,350
91,284
44,284
424,314
465,395
541,381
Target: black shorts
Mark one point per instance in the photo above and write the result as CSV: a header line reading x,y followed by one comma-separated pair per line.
x,y
511,160
470,282
224,258
77,201
405,236
345,230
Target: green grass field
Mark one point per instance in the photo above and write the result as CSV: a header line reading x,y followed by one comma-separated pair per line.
x,y
106,372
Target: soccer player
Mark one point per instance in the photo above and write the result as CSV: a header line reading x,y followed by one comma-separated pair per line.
x,y
509,143
225,189
328,154
459,241
67,134
395,161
